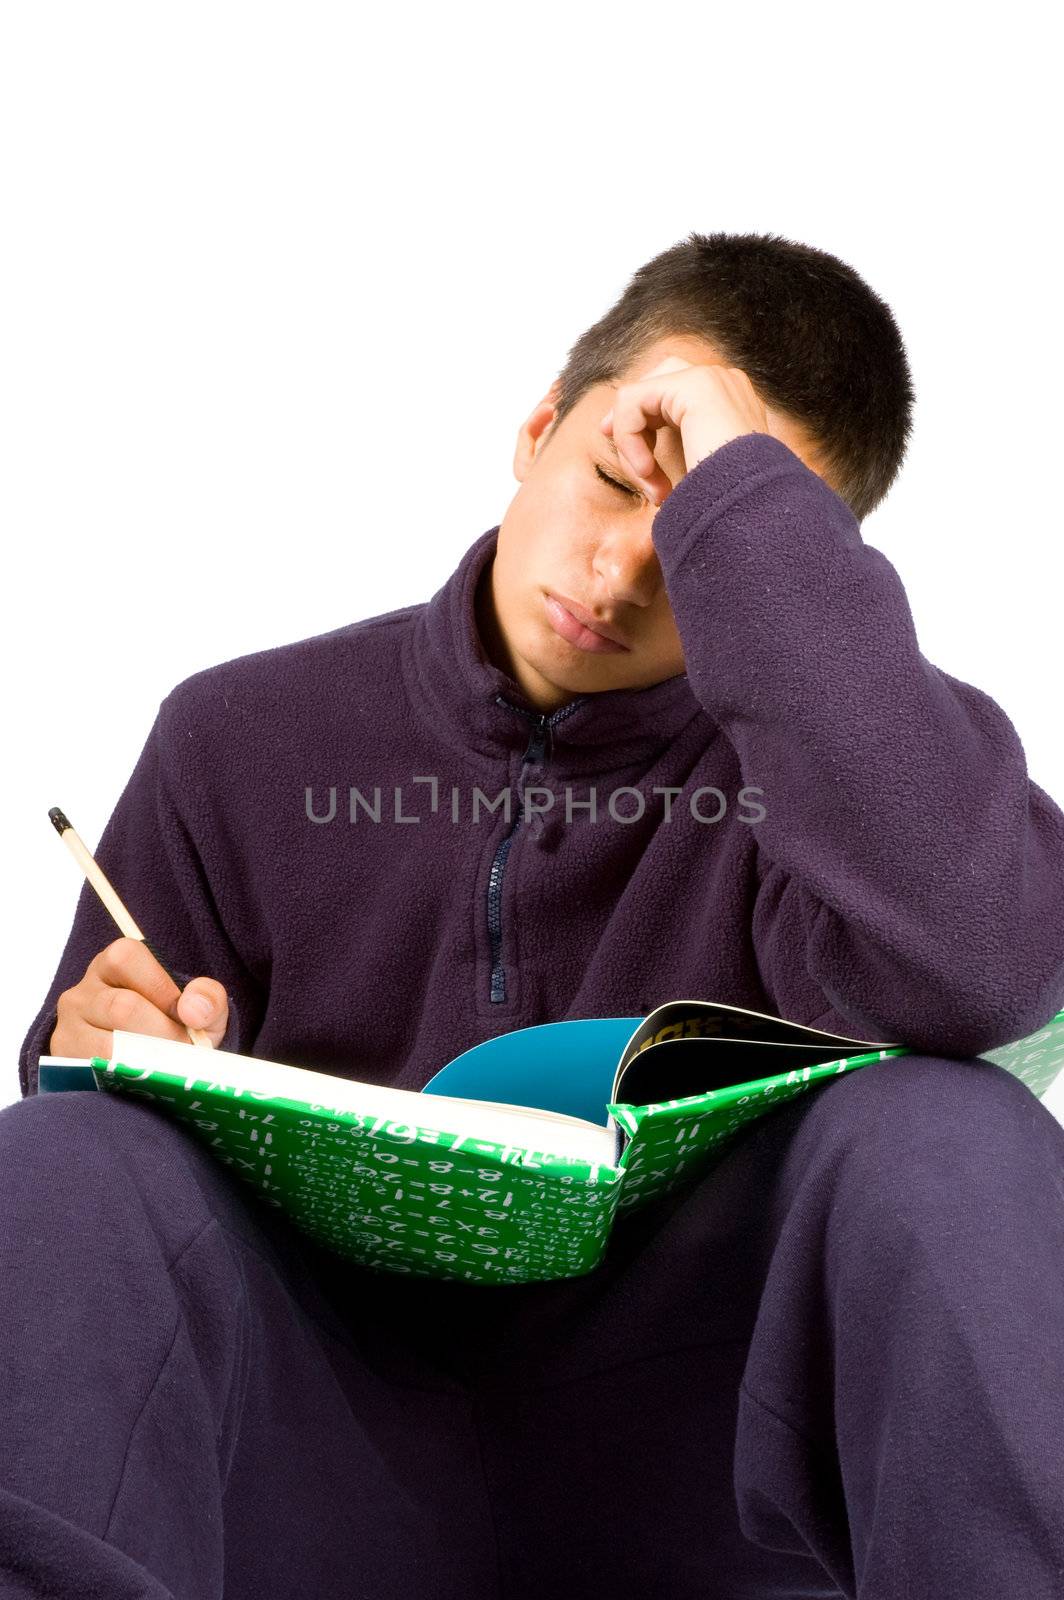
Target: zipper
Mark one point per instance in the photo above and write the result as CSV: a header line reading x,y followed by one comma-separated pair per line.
x,y
538,749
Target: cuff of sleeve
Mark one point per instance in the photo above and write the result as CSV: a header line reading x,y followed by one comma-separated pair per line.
x,y
230,1039
28,1071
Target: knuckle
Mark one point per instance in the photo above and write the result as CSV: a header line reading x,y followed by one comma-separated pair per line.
x,y
121,1008
113,958
128,951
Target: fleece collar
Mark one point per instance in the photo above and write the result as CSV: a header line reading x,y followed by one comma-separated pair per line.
x,y
484,710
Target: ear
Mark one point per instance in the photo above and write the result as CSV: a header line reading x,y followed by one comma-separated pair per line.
x,y
551,399
535,430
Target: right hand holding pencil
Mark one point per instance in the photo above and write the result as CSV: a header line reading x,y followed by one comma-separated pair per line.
x,y
125,987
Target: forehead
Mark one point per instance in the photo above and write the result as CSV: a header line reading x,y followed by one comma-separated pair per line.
x,y
667,445
599,400
687,347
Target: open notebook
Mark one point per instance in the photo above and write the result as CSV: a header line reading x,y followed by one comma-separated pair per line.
x,y
512,1163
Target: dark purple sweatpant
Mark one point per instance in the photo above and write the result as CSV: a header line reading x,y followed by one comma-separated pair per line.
x,y
834,1365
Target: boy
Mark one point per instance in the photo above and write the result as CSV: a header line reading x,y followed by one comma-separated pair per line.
x,y
833,1367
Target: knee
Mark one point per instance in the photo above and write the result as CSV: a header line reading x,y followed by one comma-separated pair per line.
x,y
924,1091
63,1123
76,1127
93,1158
89,1154
911,1124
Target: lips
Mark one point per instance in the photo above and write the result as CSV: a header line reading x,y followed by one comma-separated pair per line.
x,y
603,629
575,633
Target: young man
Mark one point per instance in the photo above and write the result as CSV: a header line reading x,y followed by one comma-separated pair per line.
x,y
832,1367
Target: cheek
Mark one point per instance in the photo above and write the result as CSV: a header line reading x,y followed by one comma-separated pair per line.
x,y
523,565
665,640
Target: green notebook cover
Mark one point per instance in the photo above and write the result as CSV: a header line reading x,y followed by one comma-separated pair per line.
x,y
487,1192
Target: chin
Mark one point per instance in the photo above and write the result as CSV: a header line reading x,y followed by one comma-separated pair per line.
x,y
591,672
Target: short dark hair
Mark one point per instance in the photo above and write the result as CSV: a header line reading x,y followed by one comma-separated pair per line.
x,y
815,341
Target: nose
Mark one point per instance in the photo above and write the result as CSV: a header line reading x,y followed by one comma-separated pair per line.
x,y
627,566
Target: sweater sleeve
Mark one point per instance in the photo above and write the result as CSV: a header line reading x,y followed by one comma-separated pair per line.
x,y
910,875
150,852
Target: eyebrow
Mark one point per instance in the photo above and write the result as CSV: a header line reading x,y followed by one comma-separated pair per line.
x,y
622,468
607,442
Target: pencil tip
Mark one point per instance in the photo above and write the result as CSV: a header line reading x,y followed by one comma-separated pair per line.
x,y
59,820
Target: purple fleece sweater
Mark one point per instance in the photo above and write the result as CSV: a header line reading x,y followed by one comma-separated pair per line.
x,y
890,871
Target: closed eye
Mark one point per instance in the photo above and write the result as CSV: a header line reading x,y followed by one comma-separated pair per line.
x,y
623,487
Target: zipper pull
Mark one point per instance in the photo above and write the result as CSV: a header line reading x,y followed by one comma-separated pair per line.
x,y
538,740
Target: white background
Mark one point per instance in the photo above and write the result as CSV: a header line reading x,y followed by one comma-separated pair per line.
x,y
282,282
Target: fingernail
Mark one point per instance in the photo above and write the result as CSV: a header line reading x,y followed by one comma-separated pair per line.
x,y
200,1007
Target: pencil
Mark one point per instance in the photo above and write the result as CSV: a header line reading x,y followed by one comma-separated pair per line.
x,y
104,889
